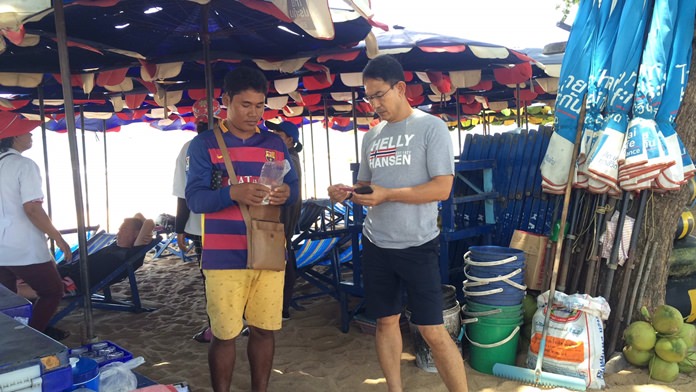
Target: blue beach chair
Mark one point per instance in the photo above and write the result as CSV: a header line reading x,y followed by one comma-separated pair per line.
x,y
105,300
311,253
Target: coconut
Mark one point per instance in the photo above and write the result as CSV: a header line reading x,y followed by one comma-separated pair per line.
x,y
640,335
688,333
672,349
688,365
662,370
529,307
667,320
637,357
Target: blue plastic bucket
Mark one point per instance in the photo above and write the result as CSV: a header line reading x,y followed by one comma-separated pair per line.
x,y
494,253
86,374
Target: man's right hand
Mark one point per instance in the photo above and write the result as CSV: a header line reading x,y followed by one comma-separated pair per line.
x,y
249,193
339,192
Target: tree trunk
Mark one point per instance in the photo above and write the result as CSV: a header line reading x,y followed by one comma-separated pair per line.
x,y
663,211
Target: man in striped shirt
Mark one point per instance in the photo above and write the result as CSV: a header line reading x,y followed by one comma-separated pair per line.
x,y
234,292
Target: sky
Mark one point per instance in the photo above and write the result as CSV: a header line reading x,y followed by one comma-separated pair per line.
x,y
516,24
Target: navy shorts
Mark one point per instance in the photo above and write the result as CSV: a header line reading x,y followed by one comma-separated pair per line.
x,y
388,271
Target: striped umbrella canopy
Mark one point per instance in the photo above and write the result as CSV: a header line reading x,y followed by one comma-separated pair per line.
x,y
677,70
622,83
597,89
571,91
645,153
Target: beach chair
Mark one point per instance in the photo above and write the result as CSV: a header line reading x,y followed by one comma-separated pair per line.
x,y
105,300
90,231
349,269
309,254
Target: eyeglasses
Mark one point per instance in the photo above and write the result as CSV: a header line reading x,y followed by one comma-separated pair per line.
x,y
378,96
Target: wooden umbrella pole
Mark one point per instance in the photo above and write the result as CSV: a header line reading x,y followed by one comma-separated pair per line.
x,y
64,61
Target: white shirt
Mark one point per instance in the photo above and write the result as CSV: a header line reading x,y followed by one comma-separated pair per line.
x,y
193,225
21,243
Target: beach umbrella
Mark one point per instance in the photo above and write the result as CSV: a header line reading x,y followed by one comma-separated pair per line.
x,y
597,88
602,164
571,91
674,176
645,155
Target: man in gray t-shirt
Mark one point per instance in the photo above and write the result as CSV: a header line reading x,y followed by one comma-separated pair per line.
x,y
407,166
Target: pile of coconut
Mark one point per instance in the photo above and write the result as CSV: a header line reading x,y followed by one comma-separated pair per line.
x,y
664,342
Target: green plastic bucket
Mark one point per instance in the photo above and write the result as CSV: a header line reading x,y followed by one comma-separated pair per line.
x,y
491,343
474,309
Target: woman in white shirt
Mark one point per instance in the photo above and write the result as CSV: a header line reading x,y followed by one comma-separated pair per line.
x,y
24,225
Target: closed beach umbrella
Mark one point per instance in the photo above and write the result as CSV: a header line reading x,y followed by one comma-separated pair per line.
x,y
597,88
571,91
622,76
645,154
674,176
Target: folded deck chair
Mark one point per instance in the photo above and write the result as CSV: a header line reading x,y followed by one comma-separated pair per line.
x,y
105,300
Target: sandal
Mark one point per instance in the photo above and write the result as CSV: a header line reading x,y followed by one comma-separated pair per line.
x,y
204,335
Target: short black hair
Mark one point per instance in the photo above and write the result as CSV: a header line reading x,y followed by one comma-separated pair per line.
x,y
384,67
245,78
6,143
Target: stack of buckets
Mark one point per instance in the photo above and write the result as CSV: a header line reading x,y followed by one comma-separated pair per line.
x,y
493,289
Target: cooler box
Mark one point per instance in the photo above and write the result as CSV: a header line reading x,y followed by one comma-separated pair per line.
x,y
31,361
14,305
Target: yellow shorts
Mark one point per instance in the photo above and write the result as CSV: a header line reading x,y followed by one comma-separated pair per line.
x,y
256,295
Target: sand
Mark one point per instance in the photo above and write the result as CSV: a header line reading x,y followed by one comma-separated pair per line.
x,y
312,354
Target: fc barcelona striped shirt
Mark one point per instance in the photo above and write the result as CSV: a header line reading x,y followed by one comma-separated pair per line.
x,y
224,230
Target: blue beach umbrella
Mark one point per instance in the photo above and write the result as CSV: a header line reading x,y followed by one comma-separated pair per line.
x,y
597,89
622,78
571,91
674,176
645,155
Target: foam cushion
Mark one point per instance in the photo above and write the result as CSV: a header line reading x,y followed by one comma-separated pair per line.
x,y
145,235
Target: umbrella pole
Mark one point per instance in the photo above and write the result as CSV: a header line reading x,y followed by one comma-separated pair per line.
x,y
84,161
600,211
106,179
64,61
314,165
328,145
304,157
208,68
459,125
355,123
517,101
628,270
42,114
569,239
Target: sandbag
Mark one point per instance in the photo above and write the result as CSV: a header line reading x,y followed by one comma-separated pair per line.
x,y
575,341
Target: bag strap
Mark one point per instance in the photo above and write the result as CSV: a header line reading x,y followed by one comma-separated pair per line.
x,y
233,176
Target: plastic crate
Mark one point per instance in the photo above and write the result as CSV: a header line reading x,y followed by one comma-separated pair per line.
x,y
15,306
103,352
57,380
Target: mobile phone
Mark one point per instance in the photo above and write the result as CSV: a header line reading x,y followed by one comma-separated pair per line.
x,y
363,190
